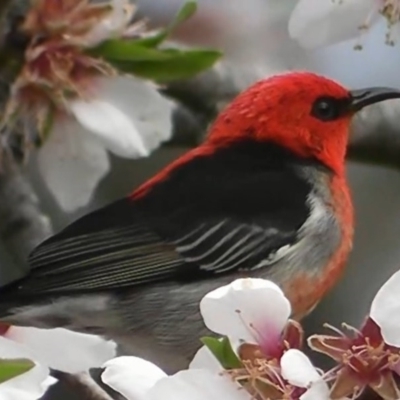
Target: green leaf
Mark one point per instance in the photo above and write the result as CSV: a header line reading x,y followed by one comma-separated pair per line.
x,y
12,368
177,64
184,13
127,50
222,351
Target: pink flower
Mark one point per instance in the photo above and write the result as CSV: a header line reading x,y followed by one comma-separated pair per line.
x,y
369,356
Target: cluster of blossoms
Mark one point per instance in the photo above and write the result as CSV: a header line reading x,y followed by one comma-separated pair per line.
x,y
41,348
87,84
259,356
83,107
80,104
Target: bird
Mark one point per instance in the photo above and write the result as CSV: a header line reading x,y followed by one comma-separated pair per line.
x,y
265,195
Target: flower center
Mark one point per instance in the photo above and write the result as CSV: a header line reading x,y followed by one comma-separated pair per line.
x,y
262,378
363,359
367,359
272,342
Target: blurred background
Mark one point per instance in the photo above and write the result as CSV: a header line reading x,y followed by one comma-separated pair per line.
x,y
254,36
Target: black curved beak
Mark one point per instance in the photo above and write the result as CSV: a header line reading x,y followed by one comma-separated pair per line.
x,y
365,97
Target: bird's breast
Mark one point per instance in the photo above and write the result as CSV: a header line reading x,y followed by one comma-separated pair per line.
x,y
312,266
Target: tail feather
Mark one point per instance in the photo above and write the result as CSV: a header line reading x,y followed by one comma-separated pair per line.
x,y
87,314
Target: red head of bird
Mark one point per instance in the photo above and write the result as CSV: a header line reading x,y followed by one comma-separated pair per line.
x,y
301,111
308,114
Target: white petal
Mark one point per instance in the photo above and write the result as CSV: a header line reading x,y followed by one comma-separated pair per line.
x,y
318,391
297,369
29,386
108,27
11,349
131,376
72,163
139,100
114,129
204,359
197,384
385,309
62,349
314,23
252,310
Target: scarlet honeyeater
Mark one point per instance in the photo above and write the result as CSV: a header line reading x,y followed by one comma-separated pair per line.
x,y
265,195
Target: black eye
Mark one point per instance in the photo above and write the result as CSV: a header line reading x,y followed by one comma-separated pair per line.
x,y
327,109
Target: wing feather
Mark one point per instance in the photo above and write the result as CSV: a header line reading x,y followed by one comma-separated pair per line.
x,y
218,225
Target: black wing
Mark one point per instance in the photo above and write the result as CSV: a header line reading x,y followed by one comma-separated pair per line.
x,y
227,212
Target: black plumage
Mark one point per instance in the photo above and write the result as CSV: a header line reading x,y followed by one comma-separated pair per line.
x,y
222,212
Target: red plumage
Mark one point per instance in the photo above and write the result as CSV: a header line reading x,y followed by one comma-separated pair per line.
x,y
270,110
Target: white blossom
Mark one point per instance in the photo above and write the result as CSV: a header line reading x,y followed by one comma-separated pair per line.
x,y
316,23
385,309
298,370
127,116
204,359
138,379
111,26
30,385
197,385
250,310
131,376
80,104
62,349
247,310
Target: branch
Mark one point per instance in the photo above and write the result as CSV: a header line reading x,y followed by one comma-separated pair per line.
x,y
375,133
375,136
4,5
202,97
23,225
211,90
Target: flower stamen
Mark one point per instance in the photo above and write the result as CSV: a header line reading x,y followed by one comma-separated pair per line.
x,y
363,359
334,329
